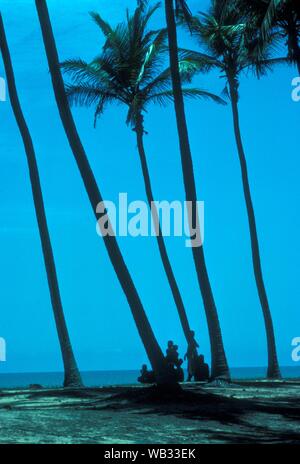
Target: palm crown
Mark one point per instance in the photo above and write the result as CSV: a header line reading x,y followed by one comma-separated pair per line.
x,y
282,16
129,70
233,45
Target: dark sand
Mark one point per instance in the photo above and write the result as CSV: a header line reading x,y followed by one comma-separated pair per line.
x,y
245,412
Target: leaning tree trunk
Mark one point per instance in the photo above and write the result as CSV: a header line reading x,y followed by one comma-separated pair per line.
x,y
72,375
160,240
297,55
219,368
273,366
151,345
293,41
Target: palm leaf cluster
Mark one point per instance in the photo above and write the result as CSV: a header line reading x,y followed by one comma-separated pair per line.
x,y
231,44
129,70
279,16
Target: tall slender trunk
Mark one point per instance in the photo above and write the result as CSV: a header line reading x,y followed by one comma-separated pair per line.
x,y
219,366
293,41
273,366
72,375
297,53
160,240
151,345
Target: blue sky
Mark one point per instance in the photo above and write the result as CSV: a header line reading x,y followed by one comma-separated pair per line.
x,y
100,323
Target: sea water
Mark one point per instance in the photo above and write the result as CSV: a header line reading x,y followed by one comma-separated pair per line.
x,y
125,377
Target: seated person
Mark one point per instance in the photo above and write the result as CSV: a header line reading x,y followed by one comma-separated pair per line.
x,y
172,354
202,370
146,376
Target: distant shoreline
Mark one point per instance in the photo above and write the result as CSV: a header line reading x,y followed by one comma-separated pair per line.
x,y
122,377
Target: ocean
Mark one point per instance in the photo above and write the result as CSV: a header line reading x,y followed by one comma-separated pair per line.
x,y
128,377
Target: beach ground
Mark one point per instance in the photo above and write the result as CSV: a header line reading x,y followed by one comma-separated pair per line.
x,y
244,412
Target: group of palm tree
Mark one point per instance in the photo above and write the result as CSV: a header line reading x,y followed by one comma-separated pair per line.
x,y
232,37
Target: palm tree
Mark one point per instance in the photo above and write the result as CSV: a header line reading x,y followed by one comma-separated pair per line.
x,y
281,16
150,343
128,71
72,376
219,368
285,16
234,47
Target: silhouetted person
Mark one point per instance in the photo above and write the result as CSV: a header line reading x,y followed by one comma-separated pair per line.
x,y
172,354
170,346
192,356
146,376
176,355
202,370
179,371
173,362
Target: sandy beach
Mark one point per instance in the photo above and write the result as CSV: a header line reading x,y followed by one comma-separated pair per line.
x,y
244,412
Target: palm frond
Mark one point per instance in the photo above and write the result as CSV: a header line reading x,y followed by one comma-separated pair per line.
x,y
182,10
159,83
142,4
153,53
84,94
192,61
79,70
270,15
147,14
165,97
203,95
261,68
104,26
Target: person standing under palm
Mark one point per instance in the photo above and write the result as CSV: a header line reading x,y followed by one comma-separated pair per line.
x,y
192,356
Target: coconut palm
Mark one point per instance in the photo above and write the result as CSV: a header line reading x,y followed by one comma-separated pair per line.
x,y
72,376
219,367
234,47
129,71
150,343
282,16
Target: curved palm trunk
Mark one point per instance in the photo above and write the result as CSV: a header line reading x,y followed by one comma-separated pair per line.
x,y
219,368
293,41
160,240
297,55
72,375
151,345
273,366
